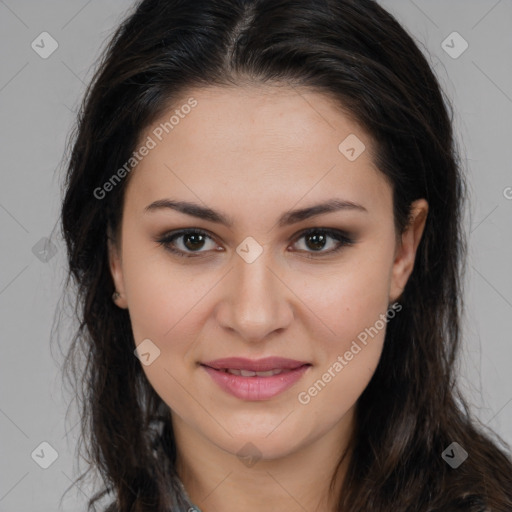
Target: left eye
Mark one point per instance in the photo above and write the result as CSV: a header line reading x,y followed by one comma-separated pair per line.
x,y
194,240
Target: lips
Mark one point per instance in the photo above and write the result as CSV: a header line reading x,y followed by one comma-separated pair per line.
x,y
259,379
255,365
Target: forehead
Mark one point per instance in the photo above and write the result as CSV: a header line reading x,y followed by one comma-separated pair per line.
x,y
258,118
259,143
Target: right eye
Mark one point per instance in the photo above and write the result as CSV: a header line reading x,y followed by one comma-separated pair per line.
x,y
192,239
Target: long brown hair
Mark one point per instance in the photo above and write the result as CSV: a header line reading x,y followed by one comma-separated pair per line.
x,y
357,53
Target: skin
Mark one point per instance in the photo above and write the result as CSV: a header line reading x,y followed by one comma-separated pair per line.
x,y
253,153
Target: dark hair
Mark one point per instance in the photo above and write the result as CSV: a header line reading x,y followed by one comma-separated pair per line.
x,y
358,54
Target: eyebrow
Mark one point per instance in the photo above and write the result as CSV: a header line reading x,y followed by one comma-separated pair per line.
x,y
286,219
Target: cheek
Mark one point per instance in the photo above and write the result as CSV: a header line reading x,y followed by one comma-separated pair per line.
x,y
168,305
345,300
348,327
163,304
160,292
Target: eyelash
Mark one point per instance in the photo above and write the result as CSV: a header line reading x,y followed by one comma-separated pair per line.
x,y
338,235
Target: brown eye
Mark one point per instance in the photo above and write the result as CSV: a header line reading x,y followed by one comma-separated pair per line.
x,y
193,240
316,239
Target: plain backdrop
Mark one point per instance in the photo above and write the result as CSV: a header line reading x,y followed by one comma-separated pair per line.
x,y
38,101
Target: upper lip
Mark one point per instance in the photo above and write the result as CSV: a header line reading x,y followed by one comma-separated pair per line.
x,y
255,365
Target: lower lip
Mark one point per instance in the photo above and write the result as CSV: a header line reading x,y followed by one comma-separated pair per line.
x,y
255,388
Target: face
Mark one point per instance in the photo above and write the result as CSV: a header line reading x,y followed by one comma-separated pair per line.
x,y
256,286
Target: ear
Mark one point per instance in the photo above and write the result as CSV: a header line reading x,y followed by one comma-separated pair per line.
x,y
405,252
116,269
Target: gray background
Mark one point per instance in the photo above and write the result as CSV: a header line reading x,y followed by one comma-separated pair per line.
x,y
38,101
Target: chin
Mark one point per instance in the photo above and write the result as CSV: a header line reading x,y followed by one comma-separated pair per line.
x,y
251,448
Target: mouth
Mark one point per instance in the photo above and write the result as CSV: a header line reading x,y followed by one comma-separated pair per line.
x,y
255,379
249,373
266,364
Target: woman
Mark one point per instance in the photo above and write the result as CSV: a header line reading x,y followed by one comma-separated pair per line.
x,y
263,219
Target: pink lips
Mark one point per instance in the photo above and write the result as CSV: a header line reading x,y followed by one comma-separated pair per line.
x,y
255,387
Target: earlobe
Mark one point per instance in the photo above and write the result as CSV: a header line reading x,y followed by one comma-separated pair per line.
x,y
116,271
405,253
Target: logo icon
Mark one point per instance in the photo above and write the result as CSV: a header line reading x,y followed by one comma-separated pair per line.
x,y
454,455
44,250
44,45
454,45
351,147
146,352
249,249
44,455
249,454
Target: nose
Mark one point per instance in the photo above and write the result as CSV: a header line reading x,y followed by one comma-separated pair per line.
x,y
257,301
